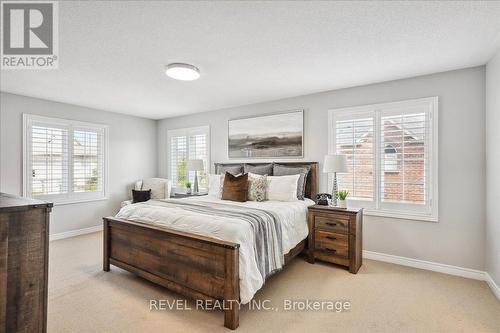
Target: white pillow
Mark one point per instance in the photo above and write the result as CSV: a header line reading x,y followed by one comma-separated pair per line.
x,y
215,184
282,188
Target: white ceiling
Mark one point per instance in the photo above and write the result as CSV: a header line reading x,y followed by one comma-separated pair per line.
x,y
112,53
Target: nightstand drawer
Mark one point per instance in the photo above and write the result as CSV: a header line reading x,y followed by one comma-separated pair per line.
x,y
331,238
328,257
335,224
332,244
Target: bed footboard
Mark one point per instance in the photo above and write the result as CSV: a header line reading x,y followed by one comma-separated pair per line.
x,y
195,266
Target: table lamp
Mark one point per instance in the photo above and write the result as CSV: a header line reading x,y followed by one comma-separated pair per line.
x,y
195,165
334,164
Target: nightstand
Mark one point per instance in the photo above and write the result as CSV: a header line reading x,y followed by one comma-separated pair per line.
x,y
335,236
185,195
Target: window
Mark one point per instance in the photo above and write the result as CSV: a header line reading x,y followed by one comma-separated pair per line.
x,y
188,144
354,138
391,151
64,160
390,159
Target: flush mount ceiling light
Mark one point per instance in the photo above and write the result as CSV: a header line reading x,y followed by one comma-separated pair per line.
x,y
184,72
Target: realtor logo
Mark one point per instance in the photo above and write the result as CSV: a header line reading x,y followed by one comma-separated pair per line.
x,y
29,35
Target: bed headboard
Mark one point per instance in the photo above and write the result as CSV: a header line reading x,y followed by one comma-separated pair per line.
x,y
312,177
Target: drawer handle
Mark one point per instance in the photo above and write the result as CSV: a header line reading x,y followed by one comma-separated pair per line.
x,y
331,250
332,224
331,237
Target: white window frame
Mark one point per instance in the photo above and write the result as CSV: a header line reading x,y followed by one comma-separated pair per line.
x,y
205,129
70,197
429,211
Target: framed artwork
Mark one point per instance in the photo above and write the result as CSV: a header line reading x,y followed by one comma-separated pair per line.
x,y
278,135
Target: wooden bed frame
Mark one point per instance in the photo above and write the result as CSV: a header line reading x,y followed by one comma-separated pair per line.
x,y
195,266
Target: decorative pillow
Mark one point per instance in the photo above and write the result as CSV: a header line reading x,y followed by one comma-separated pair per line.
x,y
215,184
257,186
282,188
140,196
266,169
235,187
282,170
232,169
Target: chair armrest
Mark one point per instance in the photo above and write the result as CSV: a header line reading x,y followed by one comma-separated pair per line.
x,y
125,203
138,185
168,188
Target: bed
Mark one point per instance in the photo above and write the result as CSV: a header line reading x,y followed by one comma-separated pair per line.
x,y
169,243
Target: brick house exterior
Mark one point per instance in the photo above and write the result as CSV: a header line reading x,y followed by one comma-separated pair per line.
x,y
403,179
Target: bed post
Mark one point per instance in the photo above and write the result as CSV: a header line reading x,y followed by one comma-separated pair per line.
x,y
232,289
105,247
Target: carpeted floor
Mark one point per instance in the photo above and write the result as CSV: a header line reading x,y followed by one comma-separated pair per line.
x,y
383,298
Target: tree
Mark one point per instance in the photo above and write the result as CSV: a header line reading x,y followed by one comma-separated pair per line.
x,y
181,173
91,183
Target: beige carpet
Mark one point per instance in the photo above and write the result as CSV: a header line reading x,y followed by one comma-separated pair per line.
x,y
383,297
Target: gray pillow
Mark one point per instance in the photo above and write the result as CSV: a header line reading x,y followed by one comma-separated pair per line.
x,y
266,169
283,170
232,169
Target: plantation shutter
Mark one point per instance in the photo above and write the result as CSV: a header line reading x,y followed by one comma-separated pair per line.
x,y
88,160
391,151
178,159
188,144
354,137
63,160
47,159
198,150
404,157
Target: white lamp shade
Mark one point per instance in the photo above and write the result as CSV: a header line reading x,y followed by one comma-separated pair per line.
x,y
194,165
335,163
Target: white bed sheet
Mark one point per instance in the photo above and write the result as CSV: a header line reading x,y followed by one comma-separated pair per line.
x,y
292,215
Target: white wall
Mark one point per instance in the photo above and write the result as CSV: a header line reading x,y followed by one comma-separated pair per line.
x,y
493,168
458,238
132,155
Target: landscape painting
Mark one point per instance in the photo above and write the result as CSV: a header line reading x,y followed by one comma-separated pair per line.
x,y
269,136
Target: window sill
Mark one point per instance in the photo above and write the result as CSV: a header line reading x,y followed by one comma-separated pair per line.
x,y
181,190
404,216
72,201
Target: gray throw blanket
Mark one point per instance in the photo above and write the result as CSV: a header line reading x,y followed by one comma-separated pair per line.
x,y
266,226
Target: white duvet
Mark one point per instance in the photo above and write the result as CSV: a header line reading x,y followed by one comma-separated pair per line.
x,y
292,215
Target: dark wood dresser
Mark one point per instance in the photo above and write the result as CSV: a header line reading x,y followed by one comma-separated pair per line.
x,y
24,244
335,235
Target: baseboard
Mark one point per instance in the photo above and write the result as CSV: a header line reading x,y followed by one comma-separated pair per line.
x,y
74,233
427,265
493,286
436,267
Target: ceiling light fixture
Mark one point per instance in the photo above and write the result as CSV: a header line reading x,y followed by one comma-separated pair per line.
x,y
184,72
